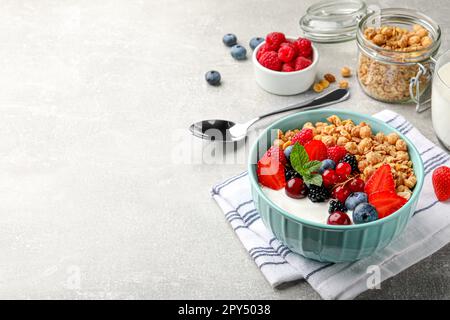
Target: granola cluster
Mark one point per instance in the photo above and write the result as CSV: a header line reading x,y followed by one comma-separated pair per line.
x,y
370,149
399,39
390,82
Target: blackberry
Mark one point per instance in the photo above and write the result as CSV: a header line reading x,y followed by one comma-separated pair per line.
x,y
318,193
351,160
290,173
336,205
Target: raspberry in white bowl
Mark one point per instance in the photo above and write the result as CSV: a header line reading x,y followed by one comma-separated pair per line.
x,y
285,65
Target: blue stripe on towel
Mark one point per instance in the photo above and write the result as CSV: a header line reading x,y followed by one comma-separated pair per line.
x,y
217,189
271,263
393,119
427,150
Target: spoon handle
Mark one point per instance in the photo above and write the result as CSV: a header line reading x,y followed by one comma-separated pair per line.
x,y
323,100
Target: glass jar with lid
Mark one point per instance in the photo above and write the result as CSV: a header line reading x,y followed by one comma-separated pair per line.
x,y
396,47
385,72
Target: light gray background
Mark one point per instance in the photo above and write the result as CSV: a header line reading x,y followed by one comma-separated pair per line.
x,y
99,196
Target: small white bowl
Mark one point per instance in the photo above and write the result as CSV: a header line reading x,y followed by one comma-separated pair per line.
x,y
285,83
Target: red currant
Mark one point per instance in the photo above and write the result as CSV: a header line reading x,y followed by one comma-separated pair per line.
x,y
341,193
343,169
339,218
295,188
356,185
329,178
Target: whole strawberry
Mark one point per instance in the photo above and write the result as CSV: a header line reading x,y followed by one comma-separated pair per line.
x,y
441,183
336,153
274,40
270,61
305,135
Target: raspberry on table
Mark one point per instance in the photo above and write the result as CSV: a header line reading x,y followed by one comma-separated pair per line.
x,y
270,61
274,40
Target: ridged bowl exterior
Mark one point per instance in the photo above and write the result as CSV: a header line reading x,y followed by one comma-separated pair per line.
x,y
320,241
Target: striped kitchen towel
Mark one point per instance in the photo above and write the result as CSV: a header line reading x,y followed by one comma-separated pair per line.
x,y
427,232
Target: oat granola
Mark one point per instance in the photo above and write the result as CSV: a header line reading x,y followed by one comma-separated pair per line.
x,y
390,81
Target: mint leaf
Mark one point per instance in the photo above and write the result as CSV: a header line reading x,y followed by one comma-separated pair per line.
x,y
300,162
299,157
313,166
315,179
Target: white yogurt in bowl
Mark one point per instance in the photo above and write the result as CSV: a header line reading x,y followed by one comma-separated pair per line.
x,y
303,208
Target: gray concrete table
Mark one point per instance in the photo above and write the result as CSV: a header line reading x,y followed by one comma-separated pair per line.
x,y
102,191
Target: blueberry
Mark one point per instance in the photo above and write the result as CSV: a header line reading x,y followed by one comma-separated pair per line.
x,y
287,152
229,39
354,199
238,52
364,212
213,77
254,42
327,164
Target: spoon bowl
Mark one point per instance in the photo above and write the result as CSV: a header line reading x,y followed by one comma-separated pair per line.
x,y
215,130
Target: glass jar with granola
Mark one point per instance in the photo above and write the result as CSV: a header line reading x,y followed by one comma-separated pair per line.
x,y
396,47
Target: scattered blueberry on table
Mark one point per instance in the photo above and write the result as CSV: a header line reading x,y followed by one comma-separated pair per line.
x,y
238,52
254,42
229,39
213,77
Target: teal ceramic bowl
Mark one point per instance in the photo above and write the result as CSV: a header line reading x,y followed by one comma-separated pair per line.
x,y
323,242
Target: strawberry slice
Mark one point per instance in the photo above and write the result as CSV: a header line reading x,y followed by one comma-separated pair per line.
x,y
381,180
317,150
386,202
270,169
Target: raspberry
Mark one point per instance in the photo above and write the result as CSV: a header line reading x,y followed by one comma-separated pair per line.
x,y
302,137
287,67
302,63
277,153
270,61
274,40
304,47
263,49
336,153
286,53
